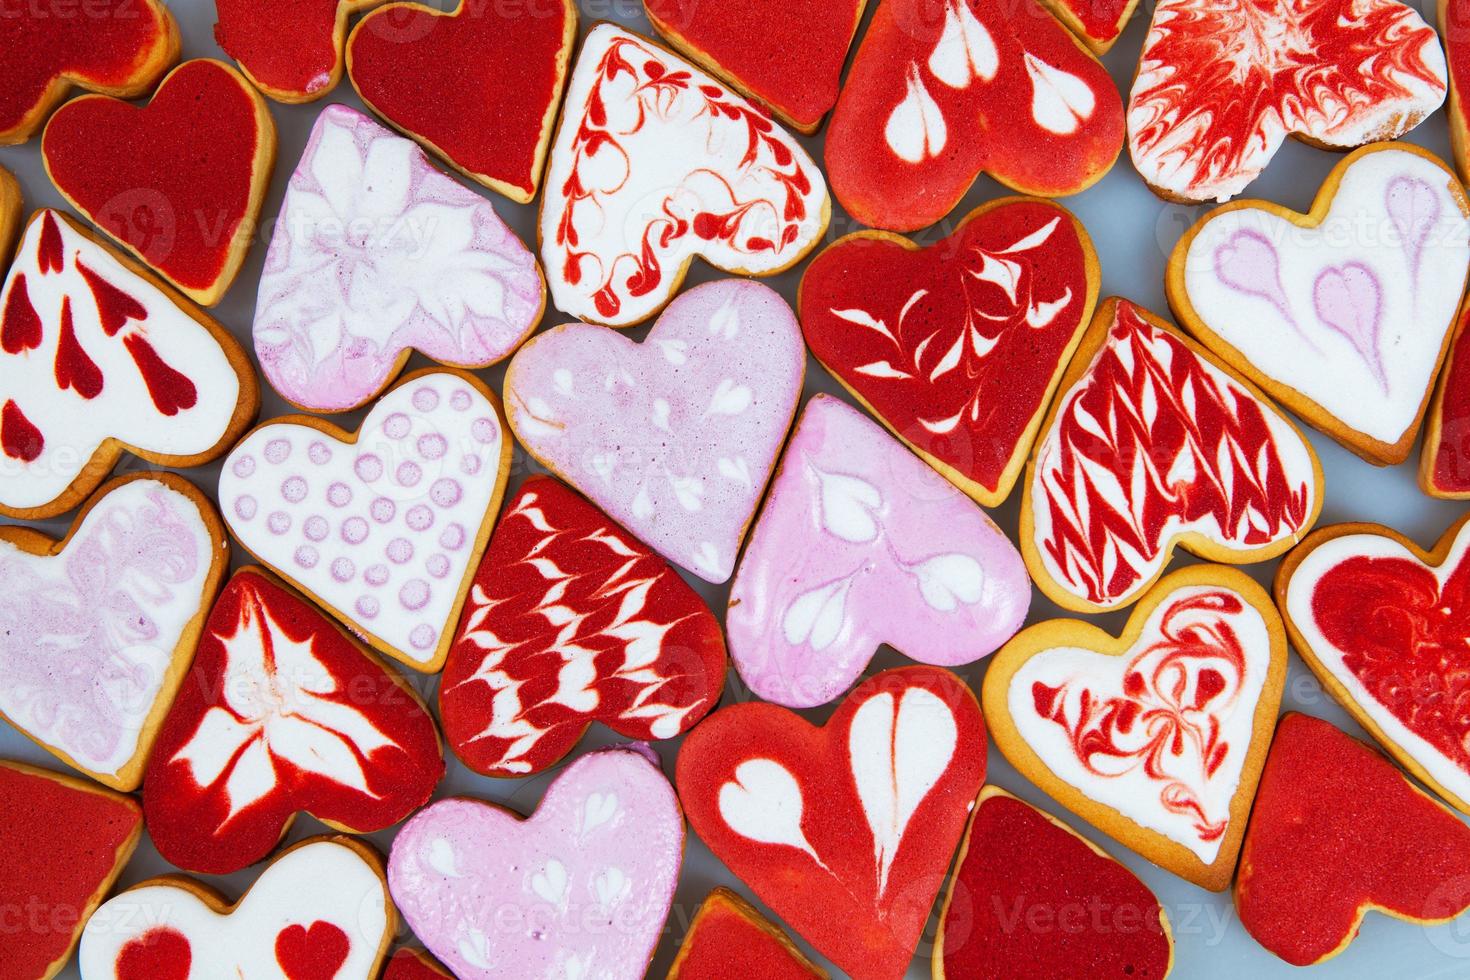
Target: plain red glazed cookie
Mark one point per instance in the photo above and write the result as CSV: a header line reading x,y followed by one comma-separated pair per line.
x,y
179,181
787,54
572,620
1096,22
1444,461
119,48
290,49
957,347
730,940
282,713
1032,899
479,85
65,841
1454,31
414,964
1337,830
845,831
941,91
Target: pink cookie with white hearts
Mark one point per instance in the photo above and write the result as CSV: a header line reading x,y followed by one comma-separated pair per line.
x,y
674,438
861,543
383,528
377,254
580,889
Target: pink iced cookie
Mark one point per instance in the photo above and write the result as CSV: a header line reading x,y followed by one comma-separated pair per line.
x,y
860,544
383,528
675,437
579,890
376,254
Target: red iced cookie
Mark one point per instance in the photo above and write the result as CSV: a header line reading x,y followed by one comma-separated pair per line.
x,y
572,620
1454,30
282,713
1032,898
116,47
1337,830
179,181
845,831
479,85
65,841
290,49
1444,464
730,940
941,91
785,54
1096,22
414,964
957,347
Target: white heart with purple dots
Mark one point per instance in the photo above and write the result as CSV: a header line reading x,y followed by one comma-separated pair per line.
x,y
385,528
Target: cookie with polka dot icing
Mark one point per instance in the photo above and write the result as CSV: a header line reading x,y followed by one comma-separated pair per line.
x,y
383,527
282,712
730,939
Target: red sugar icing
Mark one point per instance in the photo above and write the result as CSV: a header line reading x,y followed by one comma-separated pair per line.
x,y
171,179
1455,33
955,346
730,940
159,954
1032,900
756,44
280,713
1337,829
476,84
1451,466
19,436
61,847
106,48
314,952
413,964
287,46
1098,20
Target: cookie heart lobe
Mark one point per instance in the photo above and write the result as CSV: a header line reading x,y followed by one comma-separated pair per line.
x,y
289,49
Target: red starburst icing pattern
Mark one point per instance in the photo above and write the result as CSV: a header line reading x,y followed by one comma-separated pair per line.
x,y
1154,442
571,620
1221,85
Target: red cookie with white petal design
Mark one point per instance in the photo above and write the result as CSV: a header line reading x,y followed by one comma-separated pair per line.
x,y
1385,625
282,713
1155,736
478,85
414,964
290,49
178,182
1221,85
942,91
65,841
572,620
750,46
957,347
846,830
1085,914
115,47
1097,23
1153,442
730,940
1338,831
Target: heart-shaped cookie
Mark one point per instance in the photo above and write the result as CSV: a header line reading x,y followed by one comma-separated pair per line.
x,y
488,892
413,964
859,543
1337,831
655,163
377,253
290,49
845,831
572,620
66,840
178,182
750,45
282,712
957,347
674,437
1341,314
1205,118
1384,624
116,47
1444,459
97,357
1156,736
1151,443
1032,899
99,627
382,527
478,85
1097,23
320,911
729,937
941,90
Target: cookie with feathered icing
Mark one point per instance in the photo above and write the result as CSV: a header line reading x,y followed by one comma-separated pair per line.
x,y
1341,314
1155,736
729,939
289,49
